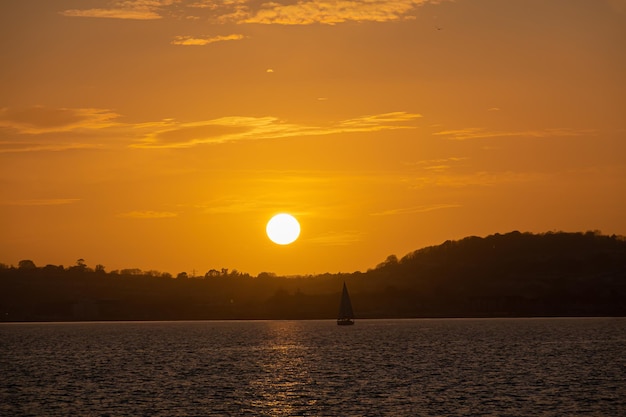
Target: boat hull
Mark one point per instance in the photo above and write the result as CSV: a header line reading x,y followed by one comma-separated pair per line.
x,y
345,322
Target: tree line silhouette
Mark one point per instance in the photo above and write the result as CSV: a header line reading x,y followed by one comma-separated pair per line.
x,y
501,275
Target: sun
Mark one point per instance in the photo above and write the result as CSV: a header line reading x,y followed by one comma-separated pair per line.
x,y
283,229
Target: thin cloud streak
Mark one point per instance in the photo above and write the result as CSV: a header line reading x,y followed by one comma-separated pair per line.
x,y
38,119
41,202
427,163
342,238
148,214
233,205
478,179
482,133
263,203
13,147
85,124
125,9
257,128
416,209
195,41
113,14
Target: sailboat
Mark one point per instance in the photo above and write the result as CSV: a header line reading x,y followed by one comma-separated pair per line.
x,y
346,316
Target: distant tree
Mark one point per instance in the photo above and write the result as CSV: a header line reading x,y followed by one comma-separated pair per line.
x,y
182,275
26,264
80,267
52,268
391,260
100,269
212,273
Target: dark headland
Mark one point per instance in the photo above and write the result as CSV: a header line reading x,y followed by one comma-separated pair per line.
x,y
502,275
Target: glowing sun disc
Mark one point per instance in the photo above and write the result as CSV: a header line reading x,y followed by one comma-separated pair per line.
x,y
283,229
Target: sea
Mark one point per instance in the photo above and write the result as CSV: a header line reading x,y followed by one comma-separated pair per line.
x,y
421,367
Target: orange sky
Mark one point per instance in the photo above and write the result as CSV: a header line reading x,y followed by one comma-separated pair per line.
x,y
163,134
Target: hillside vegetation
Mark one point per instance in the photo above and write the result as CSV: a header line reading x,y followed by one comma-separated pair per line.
x,y
502,275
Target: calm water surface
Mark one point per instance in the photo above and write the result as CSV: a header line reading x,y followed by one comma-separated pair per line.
x,y
507,367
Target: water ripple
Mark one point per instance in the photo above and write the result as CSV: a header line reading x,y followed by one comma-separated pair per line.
x,y
513,367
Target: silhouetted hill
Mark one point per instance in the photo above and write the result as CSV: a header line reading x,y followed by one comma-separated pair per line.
x,y
513,274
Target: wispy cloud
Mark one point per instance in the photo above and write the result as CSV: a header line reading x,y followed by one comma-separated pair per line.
x,y
39,119
20,147
383,121
333,12
113,14
201,41
269,202
477,179
237,128
438,161
42,128
230,205
40,202
415,209
148,214
304,12
125,9
436,165
481,133
341,238
203,4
